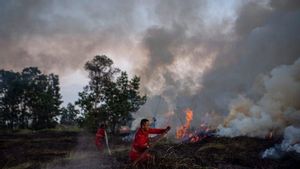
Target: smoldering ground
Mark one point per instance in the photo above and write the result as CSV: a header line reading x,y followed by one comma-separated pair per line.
x,y
86,155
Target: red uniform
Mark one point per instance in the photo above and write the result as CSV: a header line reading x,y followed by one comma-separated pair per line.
x,y
140,143
100,136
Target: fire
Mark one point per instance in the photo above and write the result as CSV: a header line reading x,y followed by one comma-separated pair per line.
x,y
184,133
182,130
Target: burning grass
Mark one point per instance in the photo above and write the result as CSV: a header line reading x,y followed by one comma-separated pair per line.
x,y
217,152
73,150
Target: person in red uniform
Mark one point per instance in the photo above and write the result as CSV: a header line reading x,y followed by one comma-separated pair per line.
x,y
141,141
100,137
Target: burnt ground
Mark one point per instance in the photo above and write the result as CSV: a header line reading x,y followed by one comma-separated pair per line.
x,y
30,150
219,153
73,150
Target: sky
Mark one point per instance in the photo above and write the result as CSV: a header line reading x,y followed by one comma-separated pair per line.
x,y
200,54
60,36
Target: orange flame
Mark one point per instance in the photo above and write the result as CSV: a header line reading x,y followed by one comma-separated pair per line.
x,y
181,131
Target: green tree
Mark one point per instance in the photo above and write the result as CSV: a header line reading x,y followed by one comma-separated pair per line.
x,y
46,100
10,92
29,77
91,100
28,99
69,115
122,98
110,97
54,100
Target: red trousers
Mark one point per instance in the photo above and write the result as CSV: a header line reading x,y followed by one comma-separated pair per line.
x,y
135,155
99,144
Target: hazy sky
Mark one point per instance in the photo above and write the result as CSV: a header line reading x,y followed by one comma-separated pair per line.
x,y
61,35
194,53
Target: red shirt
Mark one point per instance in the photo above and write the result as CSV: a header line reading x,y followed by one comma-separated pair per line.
x,y
100,135
141,141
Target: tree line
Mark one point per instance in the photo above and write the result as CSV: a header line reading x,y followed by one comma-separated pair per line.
x,y
31,99
28,99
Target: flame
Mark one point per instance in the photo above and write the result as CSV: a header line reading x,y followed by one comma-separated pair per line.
x,y
182,130
188,117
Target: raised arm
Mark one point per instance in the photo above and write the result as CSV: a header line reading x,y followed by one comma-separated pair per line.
x,y
158,131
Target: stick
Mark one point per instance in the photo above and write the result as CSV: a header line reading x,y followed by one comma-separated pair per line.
x,y
106,140
147,150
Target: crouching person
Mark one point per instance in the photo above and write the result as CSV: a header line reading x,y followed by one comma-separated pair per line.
x,y
141,142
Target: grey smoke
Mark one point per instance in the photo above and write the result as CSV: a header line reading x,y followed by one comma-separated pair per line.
x,y
290,144
276,109
264,36
61,35
191,53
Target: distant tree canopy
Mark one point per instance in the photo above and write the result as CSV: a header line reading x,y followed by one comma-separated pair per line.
x,y
110,97
69,115
29,99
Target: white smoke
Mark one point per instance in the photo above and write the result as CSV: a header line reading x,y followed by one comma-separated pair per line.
x,y
291,143
276,109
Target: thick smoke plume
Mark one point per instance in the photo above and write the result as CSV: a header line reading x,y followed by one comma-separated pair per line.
x,y
278,107
219,59
61,36
230,62
290,143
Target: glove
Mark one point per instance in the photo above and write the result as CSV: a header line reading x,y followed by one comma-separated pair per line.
x,y
147,146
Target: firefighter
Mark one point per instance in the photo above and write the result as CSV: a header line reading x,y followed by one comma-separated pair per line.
x,y
141,141
100,137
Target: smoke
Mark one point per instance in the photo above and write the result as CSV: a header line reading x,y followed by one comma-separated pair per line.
x,y
290,143
60,36
276,109
85,155
221,66
212,57
257,48
229,66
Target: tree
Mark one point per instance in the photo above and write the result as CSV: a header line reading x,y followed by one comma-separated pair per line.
x,y
91,99
122,98
54,100
10,92
69,115
110,97
29,77
28,99
46,101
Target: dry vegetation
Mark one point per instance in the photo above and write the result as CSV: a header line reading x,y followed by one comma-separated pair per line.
x,y
73,150
218,153
31,150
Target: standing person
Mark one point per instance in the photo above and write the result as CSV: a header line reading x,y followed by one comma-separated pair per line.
x,y
100,137
141,141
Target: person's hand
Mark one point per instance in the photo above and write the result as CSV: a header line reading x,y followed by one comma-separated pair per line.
x,y
148,146
168,128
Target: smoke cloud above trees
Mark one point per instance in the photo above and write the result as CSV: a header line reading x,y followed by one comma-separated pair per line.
x,y
209,56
